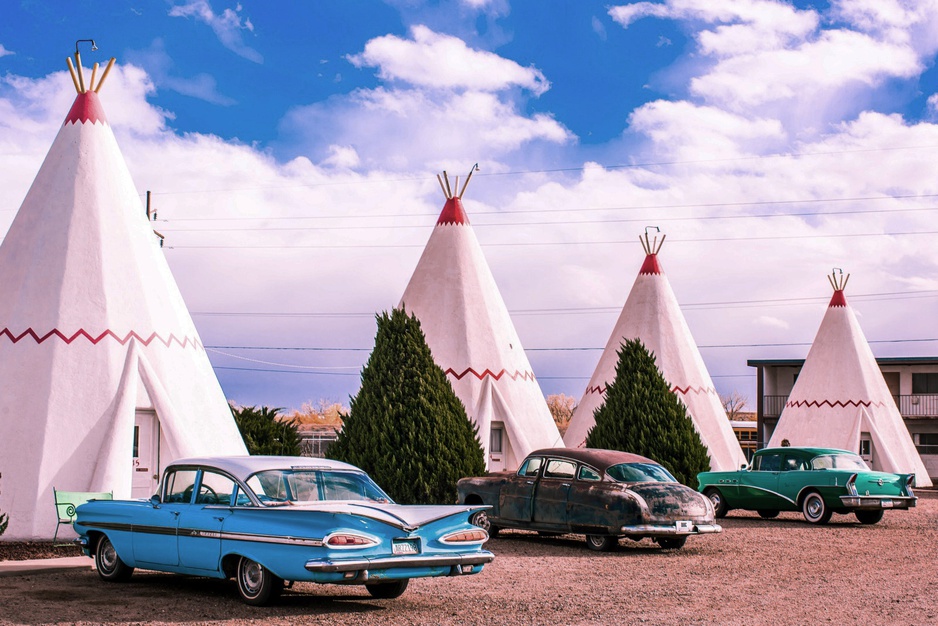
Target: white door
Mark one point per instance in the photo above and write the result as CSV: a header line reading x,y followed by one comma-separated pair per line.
x,y
146,463
496,448
866,448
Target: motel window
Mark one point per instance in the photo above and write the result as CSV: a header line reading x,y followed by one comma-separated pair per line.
x,y
925,383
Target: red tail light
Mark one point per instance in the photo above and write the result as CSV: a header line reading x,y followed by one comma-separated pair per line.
x,y
476,535
349,540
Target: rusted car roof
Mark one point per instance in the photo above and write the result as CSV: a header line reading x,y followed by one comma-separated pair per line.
x,y
600,459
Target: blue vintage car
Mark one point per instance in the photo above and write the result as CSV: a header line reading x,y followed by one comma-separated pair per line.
x,y
266,520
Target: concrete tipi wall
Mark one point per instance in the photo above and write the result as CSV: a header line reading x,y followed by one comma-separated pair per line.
x,y
471,336
94,337
652,315
841,395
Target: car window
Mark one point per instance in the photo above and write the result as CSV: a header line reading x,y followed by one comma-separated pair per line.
x,y
179,485
215,489
531,466
349,486
792,463
557,468
588,473
768,463
242,498
640,473
843,460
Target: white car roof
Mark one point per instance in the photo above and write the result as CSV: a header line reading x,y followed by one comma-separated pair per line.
x,y
242,467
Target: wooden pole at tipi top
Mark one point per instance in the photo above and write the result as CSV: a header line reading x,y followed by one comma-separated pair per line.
x,y
651,246
837,279
448,191
78,74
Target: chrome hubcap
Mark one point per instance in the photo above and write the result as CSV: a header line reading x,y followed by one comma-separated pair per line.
x,y
252,575
108,556
814,507
481,520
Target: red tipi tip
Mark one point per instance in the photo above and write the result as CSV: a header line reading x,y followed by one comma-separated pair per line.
x,y
650,266
838,299
87,108
453,213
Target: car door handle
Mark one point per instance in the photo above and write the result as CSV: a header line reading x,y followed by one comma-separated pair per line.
x,y
220,519
175,513
529,482
564,484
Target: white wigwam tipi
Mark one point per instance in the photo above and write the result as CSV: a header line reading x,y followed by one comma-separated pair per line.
x,y
841,397
103,377
471,336
652,315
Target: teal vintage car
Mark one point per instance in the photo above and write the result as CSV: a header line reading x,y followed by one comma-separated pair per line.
x,y
816,481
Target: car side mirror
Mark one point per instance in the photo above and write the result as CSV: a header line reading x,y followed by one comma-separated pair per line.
x,y
155,501
744,466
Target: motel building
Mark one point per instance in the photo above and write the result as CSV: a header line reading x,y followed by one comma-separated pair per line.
x,y
912,382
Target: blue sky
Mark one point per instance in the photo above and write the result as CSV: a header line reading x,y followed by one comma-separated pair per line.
x,y
292,147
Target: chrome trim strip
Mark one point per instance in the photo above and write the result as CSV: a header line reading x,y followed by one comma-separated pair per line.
x,y
206,534
442,560
774,493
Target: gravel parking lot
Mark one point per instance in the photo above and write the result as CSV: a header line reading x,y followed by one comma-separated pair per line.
x,y
756,572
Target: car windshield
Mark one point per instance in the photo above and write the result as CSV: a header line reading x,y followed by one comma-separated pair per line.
x,y
841,460
313,485
639,473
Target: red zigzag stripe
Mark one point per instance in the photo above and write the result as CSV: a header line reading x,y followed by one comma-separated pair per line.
x,y
81,332
522,375
837,403
675,389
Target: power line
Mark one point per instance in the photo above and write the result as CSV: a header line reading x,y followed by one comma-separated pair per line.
x,y
894,295
359,246
553,223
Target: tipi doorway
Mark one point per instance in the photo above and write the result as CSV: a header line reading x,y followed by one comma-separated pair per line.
x,y
866,448
497,448
146,453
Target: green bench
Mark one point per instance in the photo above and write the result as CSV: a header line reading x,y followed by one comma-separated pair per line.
x,y
67,501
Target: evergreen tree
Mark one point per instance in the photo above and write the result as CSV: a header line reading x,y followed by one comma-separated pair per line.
x,y
643,416
406,427
264,433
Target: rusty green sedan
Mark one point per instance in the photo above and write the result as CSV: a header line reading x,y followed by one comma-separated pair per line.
x,y
603,494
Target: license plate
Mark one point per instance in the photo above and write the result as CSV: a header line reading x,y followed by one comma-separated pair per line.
x,y
886,504
405,546
684,526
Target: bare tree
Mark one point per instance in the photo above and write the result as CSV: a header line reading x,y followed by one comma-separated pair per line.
x,y
561,408
733,404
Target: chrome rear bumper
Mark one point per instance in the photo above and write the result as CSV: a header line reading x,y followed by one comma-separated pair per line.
x,y
660,530
441,560
878,502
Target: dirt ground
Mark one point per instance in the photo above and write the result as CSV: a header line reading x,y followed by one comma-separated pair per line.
x,y
756,572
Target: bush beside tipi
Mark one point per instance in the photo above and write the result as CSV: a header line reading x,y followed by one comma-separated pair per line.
x,y
406,427
641,415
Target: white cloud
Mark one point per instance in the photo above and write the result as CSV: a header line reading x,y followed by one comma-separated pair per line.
x,y
407,129
771,322
433,60
227,26
4,52
159,65
837,59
